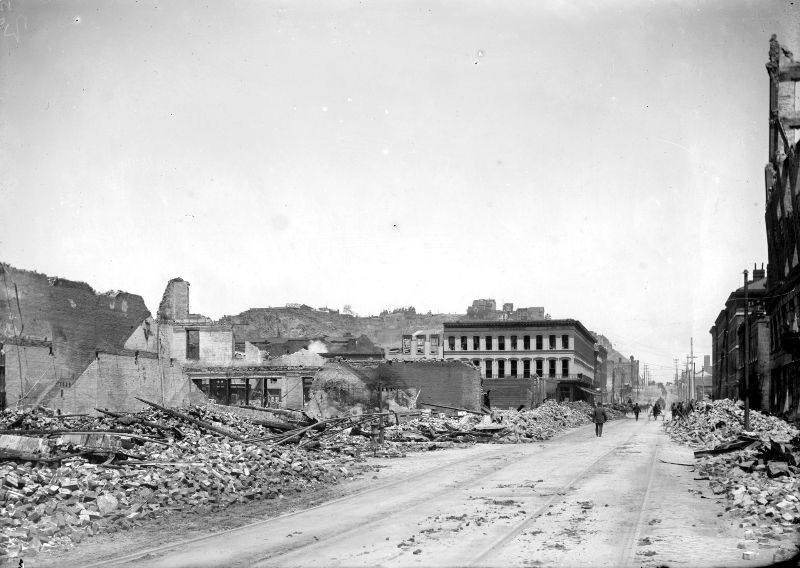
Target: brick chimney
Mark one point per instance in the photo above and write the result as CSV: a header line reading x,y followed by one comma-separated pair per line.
x,y
758,273
175,302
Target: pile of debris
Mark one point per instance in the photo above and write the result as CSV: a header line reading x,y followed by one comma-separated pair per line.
x,y
66,477
63,478
756,470
505,426
722,421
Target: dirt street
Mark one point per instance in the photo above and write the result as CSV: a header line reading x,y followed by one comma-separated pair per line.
x,y
571,501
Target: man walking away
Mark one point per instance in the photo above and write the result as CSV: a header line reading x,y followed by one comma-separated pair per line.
x,y
600,417
656,411
636,410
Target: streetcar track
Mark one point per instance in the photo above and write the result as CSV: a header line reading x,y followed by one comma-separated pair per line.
x,y
166,547
559,495
628,552
155,552
461,487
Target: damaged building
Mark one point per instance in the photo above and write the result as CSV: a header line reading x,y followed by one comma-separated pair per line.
x,y
70,348
782,303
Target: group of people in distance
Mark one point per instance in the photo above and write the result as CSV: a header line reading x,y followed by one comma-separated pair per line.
x,y
655,410
679,412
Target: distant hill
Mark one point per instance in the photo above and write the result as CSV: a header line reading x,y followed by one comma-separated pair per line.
x,y
304,321
301,321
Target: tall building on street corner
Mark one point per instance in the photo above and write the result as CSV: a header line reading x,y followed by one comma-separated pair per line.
x,y
783,229
560,352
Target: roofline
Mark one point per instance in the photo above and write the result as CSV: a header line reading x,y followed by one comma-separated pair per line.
x,y
466,324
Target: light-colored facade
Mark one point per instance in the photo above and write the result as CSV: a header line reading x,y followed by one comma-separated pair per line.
x,y
560,351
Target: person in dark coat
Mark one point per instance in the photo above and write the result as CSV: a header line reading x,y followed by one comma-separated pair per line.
x,y
600,417
636,410
656,411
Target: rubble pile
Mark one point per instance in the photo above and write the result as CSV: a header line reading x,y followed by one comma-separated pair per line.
x,y
507,426
721,421
547,420
64,478
59,497
756,471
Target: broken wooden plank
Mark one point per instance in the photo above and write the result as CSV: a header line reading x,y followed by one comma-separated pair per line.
x,y
195,421
127,418
451,408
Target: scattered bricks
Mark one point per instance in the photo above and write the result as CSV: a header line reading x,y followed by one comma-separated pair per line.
x,y
70,483
749,535
13,480
19,533
107,503
777,469
77,536
748,555
717,488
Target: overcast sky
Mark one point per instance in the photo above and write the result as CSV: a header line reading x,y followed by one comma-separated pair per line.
x,y
601,159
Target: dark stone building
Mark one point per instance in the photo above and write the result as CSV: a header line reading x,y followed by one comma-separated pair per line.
x,y
783,229
727,337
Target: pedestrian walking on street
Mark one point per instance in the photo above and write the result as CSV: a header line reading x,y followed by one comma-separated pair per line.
x,y
673,409
636,410
600,417
656,411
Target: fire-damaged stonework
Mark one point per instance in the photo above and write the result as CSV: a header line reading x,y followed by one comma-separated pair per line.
x,y
70,348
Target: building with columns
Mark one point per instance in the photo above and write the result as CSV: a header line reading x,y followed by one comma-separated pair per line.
x,y
559,352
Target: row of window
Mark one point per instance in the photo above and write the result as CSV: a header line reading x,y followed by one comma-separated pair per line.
x,y
420,344
513,368
501,342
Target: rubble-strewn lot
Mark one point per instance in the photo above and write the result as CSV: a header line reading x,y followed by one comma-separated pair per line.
x,y
755,470
64,478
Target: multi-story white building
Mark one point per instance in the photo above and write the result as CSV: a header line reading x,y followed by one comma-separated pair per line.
x,y
560,351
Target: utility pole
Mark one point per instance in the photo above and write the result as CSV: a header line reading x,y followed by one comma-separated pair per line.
x,y
676,372
746,357
691,352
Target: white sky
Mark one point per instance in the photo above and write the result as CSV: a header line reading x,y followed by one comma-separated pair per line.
x,y
602,159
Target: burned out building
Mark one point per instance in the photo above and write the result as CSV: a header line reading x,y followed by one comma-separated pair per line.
x,y
782,220
68,347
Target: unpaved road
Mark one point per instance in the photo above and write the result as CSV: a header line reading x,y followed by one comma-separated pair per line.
x,y
576,500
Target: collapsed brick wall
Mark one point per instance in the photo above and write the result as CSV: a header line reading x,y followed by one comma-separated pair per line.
x,y
78,321
113,381
38,370
450,383
509,393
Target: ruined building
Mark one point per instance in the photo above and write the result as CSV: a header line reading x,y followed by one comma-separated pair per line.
x,y
68,347
782,303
